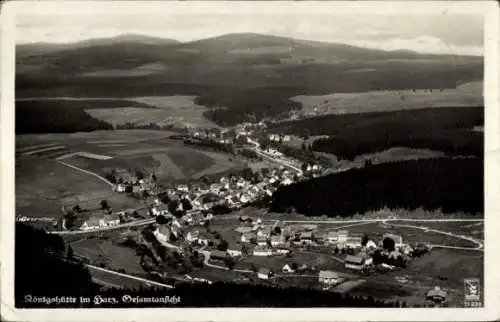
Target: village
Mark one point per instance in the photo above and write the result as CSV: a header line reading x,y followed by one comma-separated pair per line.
x,y
188,200
190,225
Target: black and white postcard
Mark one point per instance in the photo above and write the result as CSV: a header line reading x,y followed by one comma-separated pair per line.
x,y
234,160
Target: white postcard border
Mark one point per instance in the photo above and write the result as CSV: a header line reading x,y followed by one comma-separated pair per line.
x,y
492,161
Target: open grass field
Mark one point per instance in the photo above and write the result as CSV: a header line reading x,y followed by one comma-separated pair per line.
x,y
469,94
118,256
376,231
149,151
43,186
167,110
95,137
167,162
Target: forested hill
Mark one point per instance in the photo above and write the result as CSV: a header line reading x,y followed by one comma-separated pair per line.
x,y
450,184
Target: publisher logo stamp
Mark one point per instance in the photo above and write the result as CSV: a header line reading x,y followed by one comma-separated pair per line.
x,y
472,295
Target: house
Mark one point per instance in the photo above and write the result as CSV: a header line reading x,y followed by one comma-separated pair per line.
x,y
436,295
112,220
262,251
306,235
371,244
234,252
160,210
244,198
248,237
353,242
264,273
282,250
183,188
398,240
274,137
329,277
261,240
276,240
91,224
176,224
162,233
287,182
245,219
218,255
264,231
120,187
357,262
287,269
340,236
192,236
302,268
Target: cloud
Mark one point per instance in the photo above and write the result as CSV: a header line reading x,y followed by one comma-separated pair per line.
x,y
422,44
425,34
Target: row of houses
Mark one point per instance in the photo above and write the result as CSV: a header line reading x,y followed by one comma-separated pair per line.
x,y
95,221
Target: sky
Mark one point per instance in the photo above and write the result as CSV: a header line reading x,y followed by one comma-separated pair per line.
x,y
459,34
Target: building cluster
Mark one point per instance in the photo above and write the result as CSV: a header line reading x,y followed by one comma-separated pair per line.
x,y
279,137
232,192
93,221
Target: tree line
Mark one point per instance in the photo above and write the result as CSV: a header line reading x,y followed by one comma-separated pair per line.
x,y
446,129
54,117
451,185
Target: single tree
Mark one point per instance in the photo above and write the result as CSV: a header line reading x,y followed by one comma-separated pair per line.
x,y
223,245
104,204
161,220
70,254
77,209
229,262
186,204
364,239
389,244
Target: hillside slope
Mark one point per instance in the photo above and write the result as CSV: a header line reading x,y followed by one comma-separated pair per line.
x,y
230,70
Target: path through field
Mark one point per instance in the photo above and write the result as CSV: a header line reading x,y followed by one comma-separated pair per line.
x,y
87,172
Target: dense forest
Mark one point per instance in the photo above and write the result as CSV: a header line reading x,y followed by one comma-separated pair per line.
x,y
449,184
238,88
41,270
55,117
446,129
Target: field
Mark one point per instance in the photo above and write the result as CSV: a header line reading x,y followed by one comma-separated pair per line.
x,y
447,269
148,151
168,110
118,256
43,186
469,94
168,163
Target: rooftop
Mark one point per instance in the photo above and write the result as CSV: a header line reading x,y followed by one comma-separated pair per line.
x,y
328,274
357,259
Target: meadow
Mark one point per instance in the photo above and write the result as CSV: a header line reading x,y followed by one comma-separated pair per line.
x,y
43,186
469,94
168,110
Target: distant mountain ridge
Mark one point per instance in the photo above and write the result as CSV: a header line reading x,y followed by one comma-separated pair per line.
x,y
234,75
213,44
